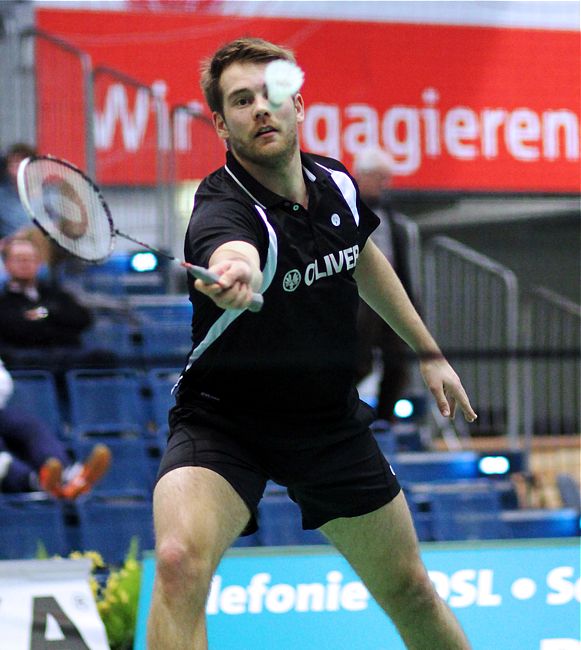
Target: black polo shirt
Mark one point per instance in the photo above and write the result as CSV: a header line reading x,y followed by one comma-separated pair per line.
x,y
287,370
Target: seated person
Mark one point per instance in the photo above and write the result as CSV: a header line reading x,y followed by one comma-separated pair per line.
x,y
32,458
35,315
13,217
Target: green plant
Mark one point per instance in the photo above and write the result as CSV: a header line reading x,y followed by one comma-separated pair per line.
x,y
117,599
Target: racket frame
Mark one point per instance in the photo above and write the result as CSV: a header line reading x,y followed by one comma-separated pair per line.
x,y
198,272
24,198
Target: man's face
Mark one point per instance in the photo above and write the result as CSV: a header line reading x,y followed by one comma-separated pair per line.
x,y
256,133
22,262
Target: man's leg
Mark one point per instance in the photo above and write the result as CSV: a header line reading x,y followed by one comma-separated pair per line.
x,y
198,515
382,548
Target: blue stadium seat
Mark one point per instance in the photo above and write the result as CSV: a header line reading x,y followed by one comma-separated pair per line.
x,y
247,541
131,472
28,521
569,491
107,525
422,492
422,520
165,339
35,393
105,401
156,311
424,466
280,523
540,523
160,382
107,334
467,515
383,434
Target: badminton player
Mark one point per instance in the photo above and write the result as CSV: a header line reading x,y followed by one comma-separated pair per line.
x,y
270,395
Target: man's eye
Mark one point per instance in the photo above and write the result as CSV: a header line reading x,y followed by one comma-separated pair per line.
x,y
242,101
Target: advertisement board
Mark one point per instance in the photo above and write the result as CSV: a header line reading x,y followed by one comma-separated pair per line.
x,y
508,596
49,604
459,107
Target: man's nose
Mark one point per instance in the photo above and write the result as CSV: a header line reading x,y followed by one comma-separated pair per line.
x,y
261,106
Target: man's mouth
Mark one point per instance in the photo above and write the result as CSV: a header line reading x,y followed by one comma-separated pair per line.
x,y
265,130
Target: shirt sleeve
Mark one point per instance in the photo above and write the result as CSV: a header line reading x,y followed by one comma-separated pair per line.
x,y
368,220
216,221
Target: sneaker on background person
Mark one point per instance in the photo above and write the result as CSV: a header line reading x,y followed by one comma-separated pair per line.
x,y
71,482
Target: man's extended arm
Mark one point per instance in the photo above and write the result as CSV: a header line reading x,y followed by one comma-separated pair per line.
x,y
238,265
382,290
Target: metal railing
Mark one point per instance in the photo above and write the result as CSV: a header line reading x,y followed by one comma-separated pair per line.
x,y
471,307
62,90
195,152
67,92
551,337
122,133
143,132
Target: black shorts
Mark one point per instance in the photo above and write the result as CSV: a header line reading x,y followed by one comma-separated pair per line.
x,y
344,478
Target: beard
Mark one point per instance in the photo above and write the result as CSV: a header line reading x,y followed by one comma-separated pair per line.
x,y
273,156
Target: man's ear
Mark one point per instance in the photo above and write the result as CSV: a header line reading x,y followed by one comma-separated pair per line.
x,y
220,125
299,104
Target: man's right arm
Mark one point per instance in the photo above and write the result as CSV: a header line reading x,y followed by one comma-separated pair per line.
x,y
237,263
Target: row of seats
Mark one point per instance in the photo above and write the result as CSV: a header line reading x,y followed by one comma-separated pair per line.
x,y
145,340
144,328
98,402
108,523
33,524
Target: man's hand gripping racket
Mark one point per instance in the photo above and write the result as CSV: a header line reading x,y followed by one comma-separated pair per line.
x,y
69,209
208,277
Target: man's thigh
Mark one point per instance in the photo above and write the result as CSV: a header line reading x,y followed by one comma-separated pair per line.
x,y
381,546
198,508
202,441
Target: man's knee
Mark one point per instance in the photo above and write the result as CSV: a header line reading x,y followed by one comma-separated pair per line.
x,y
412,591
183,569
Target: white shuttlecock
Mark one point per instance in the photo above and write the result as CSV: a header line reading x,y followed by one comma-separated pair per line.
x,y
283,79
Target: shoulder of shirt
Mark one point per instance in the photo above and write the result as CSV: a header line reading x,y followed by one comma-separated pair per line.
x,y
325,161
220,186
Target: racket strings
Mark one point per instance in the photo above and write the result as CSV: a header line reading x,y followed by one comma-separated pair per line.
x,y
69,208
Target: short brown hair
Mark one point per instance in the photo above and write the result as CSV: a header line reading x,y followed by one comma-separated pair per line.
x,y
253,50
8,244
21,150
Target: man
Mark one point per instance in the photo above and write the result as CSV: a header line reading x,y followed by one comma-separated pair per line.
x,y
271,395
40,323
33,314
373,169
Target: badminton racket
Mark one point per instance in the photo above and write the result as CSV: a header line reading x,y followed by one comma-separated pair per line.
x,y
69,209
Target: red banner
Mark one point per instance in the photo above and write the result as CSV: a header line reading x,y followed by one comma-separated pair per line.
x,y
460,108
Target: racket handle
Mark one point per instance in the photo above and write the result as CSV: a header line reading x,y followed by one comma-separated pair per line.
x,y
200,273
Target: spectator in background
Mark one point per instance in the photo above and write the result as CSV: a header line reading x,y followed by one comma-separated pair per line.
x,y
372,169
13,217
37,316
33,458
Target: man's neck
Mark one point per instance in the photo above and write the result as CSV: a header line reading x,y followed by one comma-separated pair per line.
x,y
285,180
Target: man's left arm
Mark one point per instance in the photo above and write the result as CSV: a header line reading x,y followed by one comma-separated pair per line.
x,y
382,290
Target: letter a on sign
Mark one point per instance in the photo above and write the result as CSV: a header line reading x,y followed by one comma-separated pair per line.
x,y
52,629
